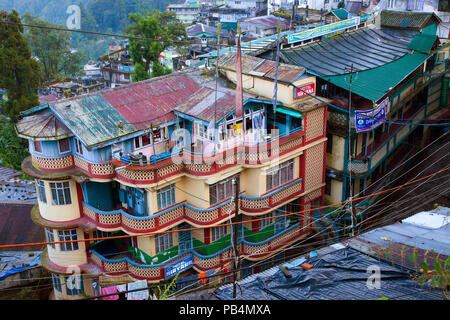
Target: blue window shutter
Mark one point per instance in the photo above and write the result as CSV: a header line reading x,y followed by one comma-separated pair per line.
x,y
122,196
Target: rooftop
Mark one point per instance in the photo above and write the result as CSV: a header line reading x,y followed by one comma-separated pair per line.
x,y
266,22
408,19
201,28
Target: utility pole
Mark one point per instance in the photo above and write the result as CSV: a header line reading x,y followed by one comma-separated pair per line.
x,y
235,226
350,151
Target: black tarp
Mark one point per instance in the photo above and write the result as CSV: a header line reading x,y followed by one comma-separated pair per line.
x,y
338,275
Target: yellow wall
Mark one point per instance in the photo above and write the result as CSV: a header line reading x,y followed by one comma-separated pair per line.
x,y
336,159
62,212
147,243
336,192
68,258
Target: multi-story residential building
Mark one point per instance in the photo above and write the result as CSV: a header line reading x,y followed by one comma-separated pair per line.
x,y
440,7
186,12
323,5
142,162
116,68
396,73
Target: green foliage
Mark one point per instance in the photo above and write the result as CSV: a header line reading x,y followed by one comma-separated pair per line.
x,y
19,71
341,5
145,53
164,293
52,49
13,150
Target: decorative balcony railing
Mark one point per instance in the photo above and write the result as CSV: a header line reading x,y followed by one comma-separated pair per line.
x,y
138,171
171,216
371,161
155,272
273,198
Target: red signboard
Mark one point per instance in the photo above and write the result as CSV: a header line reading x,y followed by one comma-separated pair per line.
x,y
310,88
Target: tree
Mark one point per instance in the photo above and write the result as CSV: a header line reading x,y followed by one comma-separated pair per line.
x,y
19,73
12,148
52,49
341,5
163,26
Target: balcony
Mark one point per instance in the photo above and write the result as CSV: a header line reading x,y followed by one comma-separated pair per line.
x,y
363,164
184,212
202,159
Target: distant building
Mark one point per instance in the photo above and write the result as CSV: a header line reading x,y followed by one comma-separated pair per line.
x,y
204,33
186,12
440,7
92,70
336,15
263,26
116,68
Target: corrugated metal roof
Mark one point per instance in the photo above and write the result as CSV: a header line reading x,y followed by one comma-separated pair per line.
x,y
374,83
267,22
260,67
340,13
365,49
408,19
424,41
200,28
42,126
109,114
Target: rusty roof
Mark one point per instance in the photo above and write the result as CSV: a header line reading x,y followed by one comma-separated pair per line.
x,y
202,104
43,125
17,227
261,67
106,115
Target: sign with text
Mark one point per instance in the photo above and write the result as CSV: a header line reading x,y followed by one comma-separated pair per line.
x,y
326,29
178,266
367,120
310,88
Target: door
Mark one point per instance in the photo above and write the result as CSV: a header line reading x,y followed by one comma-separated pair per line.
x,y
184,239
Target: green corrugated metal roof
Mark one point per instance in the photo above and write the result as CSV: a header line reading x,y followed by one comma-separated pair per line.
x,y
407,19
289,112
341,14
374,83
424,41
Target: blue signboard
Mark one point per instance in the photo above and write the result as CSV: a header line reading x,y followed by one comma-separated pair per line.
x,y
367,120
178,266
326,29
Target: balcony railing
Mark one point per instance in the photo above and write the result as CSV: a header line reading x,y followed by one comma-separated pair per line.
x,y
366,164
171,216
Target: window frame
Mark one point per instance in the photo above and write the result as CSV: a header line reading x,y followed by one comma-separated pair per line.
x,y
163,242
68,146
168,192
42,196
60,193
74,291
219,232
56,282
50,236
266,222
226,185
78,146
278,171
39,143
68,235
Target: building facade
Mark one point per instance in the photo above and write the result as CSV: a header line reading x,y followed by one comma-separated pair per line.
x,y
134,180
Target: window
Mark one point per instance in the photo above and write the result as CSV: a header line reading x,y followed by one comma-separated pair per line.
x,y
74,285
266,222
68,235
63,145
100,234
56,282
60,193
200,129
78,146
142,141
50,237
444,5
41,191
166,197
163,242
329,143
391,4
280,174
37,146
222,190
218,232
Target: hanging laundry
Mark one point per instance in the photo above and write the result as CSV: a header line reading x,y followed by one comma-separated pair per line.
x,y
110,290
137,295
